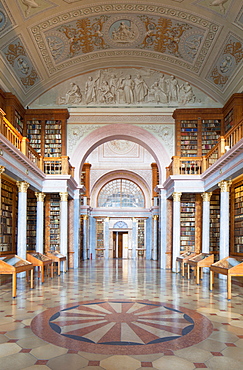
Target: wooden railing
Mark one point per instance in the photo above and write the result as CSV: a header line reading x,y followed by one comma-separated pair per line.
x,y
49,165
197,165
57,166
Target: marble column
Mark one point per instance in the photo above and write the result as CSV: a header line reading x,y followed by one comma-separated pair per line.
x,y
91,242
163,228
64,224
206,222
176,228
22,218
40,222
76,229
106,237
148,238
155,237
86,237
134,238
224,219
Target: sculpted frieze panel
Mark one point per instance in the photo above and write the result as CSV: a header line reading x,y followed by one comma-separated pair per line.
x,y
125,87
218,6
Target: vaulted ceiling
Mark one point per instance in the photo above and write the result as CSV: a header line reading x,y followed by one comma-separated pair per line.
x,y
46,42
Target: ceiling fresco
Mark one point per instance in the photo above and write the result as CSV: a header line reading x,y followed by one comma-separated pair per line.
x,y
48,44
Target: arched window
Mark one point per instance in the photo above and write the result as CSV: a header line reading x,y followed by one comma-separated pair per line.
x,y
121,193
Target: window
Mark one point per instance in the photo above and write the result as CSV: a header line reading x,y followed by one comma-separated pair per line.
x,y
121,193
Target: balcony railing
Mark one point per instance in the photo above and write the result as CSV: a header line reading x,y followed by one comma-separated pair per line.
x,y
49,165
197,165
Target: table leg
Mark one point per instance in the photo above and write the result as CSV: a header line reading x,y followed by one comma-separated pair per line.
x,y
65,266
51,270
14,284
188,271
183,269
211,279
198,275
32,278
229,286
58,268
42,274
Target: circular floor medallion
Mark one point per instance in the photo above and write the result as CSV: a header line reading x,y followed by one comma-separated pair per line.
x,y
121,327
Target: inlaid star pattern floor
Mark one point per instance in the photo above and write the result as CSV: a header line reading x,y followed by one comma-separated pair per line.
x,y
106,315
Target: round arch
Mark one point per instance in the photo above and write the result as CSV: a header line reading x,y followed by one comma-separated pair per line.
x,y
113,175
120,132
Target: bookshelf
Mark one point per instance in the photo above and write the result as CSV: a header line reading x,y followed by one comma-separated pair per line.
x,y
46,131
214,224
99,238
55,222
53,138
15,112
211,129
238,220
52,222
8,217
34,129
189,138
187,234
31,220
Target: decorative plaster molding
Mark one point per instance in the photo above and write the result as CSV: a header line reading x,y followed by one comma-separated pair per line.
x,y
224,186
206,196
22,186
176,196
40,196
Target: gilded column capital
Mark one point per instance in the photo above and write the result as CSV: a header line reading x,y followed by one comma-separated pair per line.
x,y
64,196
224,185
22,186
176,196
85,217
40,196
155,217
2,169
206,196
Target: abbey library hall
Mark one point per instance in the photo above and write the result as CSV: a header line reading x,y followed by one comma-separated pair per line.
x,y
121,185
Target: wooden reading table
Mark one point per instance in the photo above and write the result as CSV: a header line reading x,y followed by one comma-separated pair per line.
x,y
13,264
229,266
57,257
199,261
41,261
182,259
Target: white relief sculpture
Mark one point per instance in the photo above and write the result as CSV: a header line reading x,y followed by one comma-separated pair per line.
x,y
226,64
193,45
90,90
127,86
186,94
31,4
140,89
219,3
124,33
72,96
173,89
55,46
23,66
145,87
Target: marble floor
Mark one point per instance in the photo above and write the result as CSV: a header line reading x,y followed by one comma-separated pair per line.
x,y
120,314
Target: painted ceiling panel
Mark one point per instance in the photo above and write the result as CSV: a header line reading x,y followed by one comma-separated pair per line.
x,y
47,42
